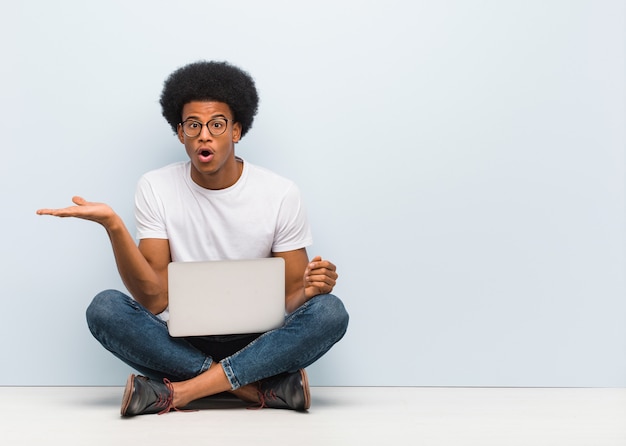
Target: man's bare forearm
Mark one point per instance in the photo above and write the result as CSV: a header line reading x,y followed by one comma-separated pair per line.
x,y
139,277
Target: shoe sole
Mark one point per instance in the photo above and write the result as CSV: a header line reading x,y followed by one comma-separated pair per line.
x,y
128,393
305,388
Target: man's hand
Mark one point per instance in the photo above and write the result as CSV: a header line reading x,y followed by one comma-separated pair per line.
x,y
143,268
320,277
98,212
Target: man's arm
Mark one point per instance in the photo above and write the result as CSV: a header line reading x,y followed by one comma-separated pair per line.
x,y
305,280
144,275
143,268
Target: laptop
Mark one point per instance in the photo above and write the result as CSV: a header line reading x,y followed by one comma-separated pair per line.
x,y
226,297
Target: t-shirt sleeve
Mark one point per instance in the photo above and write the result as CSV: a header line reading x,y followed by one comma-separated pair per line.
x,y
292,227
149,212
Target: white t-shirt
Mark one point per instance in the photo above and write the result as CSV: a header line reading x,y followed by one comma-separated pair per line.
x,y
260,214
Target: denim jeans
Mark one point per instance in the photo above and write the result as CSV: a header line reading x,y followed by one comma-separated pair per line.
x,y
140,339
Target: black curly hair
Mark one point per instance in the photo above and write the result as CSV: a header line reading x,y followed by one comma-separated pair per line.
x,y
210,81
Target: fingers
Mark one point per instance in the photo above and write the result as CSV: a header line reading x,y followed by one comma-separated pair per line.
x,y
317,262
317,266
79,200
65,212
70,211
320,275
322,283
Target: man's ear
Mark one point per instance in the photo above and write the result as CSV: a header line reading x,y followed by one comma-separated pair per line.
x,y
236,132
181,135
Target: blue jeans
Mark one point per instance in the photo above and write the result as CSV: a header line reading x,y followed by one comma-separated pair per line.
x,y
140,339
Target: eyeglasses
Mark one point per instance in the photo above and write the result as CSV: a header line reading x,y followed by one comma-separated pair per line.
x,y
193,128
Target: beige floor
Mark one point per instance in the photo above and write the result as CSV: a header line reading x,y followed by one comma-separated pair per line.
x,y
338,416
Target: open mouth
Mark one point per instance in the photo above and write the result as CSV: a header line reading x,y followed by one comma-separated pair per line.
x,y
205,155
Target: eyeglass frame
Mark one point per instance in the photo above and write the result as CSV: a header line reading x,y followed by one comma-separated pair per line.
x,y
182,126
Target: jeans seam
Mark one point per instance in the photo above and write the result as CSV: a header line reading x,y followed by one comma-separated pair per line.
x,y
226,362
102,331
206,365
230,374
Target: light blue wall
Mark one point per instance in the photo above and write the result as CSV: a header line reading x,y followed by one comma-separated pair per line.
x,y
462,161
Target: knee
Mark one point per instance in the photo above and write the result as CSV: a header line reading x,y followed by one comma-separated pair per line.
x,y
335,314
103,307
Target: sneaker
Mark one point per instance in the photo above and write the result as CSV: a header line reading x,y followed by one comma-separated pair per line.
x,y
286,391
143,396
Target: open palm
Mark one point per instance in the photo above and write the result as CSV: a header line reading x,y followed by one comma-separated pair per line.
x,y
87,210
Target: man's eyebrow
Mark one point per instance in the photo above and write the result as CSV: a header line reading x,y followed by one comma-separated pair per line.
x,y
197,118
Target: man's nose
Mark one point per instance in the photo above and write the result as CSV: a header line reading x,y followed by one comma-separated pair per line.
x,y
205,134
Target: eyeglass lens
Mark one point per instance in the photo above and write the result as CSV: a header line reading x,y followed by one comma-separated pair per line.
x,y
193,128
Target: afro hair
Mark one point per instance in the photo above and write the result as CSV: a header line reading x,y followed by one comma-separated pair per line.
x,y
210,81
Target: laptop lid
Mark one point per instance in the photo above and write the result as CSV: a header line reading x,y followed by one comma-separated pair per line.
x,y
226,297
